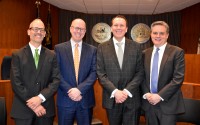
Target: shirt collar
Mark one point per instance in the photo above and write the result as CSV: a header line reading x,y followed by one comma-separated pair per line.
x,y
115,41
73,43
33,47
162,48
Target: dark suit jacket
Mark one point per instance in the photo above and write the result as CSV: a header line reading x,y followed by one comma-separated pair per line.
x,y
27,81
86,78
112,77
171,76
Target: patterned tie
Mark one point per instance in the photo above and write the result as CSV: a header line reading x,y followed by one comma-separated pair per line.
x,y
36,58
120,54
76,60
154,72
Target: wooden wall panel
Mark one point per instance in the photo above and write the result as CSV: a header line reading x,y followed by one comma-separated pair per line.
x,y
6,91
190,29
190,90
192,69
15,17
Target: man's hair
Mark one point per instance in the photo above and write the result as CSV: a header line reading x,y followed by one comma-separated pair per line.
x,y
162,23
120,16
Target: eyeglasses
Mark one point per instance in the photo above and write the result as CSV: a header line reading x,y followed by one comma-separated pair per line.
x,y
36,29
160,33
82,30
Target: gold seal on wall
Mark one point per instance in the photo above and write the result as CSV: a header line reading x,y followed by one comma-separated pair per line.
x,y
101,32
140,33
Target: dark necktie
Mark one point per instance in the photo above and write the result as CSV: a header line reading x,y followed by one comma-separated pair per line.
x,y
154,73
120,54
36,58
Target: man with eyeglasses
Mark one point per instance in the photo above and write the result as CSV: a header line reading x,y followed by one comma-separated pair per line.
x,y
35,78
164,74
77,62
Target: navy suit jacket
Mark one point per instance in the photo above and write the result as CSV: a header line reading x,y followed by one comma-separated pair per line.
x,y
86,78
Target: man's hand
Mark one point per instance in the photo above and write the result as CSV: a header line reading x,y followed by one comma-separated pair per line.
x,y
40,111
74,94
120,96
153,98
34,102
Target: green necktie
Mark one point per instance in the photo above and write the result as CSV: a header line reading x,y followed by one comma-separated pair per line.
x,y
36,58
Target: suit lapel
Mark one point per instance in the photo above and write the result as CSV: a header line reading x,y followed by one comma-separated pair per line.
x,y
29,55
147,62
164,58
111,50
83,58
126,53
69,54
41,60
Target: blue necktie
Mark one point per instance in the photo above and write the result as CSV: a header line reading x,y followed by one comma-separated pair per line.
x,y
154,73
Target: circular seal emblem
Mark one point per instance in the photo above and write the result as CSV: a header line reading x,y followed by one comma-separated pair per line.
x,y
101,32
140,33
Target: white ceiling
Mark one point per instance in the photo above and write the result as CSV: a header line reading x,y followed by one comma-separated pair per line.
x,y
123,6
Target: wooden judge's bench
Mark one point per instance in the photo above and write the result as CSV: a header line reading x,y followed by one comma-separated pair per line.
x,y
190,88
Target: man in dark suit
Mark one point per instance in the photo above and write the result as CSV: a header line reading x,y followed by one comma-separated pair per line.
x,y
162,96
34,83
120,79
75,98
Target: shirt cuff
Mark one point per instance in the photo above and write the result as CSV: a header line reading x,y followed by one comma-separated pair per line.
x,y
161,98
144,96
129,94
113,93
42,97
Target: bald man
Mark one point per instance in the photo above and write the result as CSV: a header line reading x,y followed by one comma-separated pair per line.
x,y
34,80
75,98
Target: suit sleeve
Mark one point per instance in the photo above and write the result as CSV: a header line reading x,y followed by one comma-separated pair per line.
x,y
89,81
16,79
101,72
177,76
137,79
54,79
64,86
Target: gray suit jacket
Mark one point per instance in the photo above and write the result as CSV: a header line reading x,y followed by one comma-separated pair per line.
x,y
171,76
112,77
27,81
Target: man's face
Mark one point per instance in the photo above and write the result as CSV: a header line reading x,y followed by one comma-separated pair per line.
x,y
77,30
36,31
159,35
119,28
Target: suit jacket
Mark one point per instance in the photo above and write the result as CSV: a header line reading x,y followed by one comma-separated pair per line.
x,y
27,81
112,77
171,76
86,77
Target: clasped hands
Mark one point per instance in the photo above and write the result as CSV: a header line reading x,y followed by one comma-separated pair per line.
x,y
74,94
34,103
153,98
120,96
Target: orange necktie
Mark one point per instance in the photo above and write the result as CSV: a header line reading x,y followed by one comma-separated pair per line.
x,y
76,60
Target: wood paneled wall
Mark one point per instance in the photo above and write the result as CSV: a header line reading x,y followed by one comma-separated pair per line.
x,y
15,17
190,29
190,90
192,70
